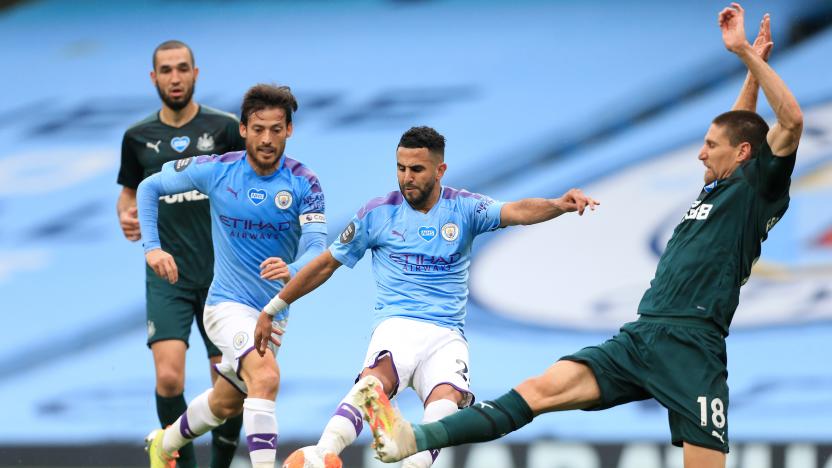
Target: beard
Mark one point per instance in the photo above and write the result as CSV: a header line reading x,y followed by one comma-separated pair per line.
x,y
176,104
260,165
418,199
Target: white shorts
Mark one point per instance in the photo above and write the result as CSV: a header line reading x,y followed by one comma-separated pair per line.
x,y
423,355
230,326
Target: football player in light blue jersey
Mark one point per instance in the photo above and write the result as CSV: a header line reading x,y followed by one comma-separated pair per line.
x,y
262,204
421,237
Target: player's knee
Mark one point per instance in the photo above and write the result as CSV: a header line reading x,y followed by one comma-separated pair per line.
x,y
264,383
537,391
445,392
169,382
385,374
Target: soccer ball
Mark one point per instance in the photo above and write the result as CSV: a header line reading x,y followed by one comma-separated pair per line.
x,y
310,457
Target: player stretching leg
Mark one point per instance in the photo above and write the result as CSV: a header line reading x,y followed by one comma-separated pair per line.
x,y
421,237
265,209
675,352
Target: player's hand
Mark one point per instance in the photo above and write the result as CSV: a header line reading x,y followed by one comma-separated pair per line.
x,y
763,44
129,220
274,268
576,200
163,265
732,23
265,328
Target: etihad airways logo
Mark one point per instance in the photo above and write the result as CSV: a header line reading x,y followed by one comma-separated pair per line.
x,y
254,228
421,262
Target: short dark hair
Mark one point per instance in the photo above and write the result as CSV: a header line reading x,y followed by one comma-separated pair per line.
x,y
424,137
264,96
743,126
172,44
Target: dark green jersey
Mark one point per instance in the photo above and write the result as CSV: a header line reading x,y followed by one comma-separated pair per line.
x,y
184,219
712,250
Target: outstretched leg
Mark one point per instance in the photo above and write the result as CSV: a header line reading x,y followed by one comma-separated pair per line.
x,y
565,385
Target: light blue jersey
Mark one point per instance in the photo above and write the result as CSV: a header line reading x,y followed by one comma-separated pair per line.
x,y
420,260
252,218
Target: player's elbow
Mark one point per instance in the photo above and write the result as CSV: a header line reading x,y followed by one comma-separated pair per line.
x,y
792,120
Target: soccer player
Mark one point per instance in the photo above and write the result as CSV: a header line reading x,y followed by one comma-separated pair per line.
x,y
181,128
265,208
675,352
421,238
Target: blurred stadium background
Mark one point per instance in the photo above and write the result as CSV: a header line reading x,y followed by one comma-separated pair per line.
x,y
534,97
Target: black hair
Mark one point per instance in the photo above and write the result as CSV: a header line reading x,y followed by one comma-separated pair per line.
x,y
172,44
265,96
743,126
424,137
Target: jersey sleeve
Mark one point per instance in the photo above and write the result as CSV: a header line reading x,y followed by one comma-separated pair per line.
x,y
775,172
177,176
130,173
353,242
312,206
483,213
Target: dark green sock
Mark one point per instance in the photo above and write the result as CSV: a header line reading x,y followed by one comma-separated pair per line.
x,y
169,409
224,441
487,420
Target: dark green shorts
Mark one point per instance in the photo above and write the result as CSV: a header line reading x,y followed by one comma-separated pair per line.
x,y
170,312
679,362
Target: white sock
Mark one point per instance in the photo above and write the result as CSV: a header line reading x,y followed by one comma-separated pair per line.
x,y
261,431
195,421
343,427
434,411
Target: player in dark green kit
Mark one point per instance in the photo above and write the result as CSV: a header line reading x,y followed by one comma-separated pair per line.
x,y
675,352
181,128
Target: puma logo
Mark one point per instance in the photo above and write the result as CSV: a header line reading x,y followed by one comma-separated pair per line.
x,y
269,441
229,189
483,404
718,436
349,409
154,146
397,233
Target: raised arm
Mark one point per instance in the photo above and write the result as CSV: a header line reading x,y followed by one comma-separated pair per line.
x,y
747,99
314,274
536,210
784,136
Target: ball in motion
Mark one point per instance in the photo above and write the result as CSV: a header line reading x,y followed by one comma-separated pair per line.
x,y
311,457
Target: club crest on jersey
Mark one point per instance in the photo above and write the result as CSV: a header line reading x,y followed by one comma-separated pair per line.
x,y
240,340
180,144
205,142
256,196
450,232
427,233
283,199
